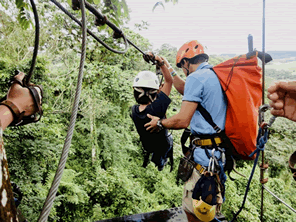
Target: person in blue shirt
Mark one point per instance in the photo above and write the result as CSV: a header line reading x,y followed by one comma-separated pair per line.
x,y
155,101
202,87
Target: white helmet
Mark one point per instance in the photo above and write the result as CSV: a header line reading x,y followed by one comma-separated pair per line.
x,y
146,79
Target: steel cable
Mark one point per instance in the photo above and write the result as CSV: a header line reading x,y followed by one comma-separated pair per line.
x,y
91,33
279,199
55,184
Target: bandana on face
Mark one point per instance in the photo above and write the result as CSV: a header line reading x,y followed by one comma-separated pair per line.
x,y
147,93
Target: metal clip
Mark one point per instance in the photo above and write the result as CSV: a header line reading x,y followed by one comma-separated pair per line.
x,y
223,158
196,138
213,162
262,110
211,165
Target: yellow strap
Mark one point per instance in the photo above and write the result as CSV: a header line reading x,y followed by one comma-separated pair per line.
x,y
199,168
207,142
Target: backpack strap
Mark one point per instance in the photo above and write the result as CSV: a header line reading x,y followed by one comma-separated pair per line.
x,y
185,135
229,148
207,116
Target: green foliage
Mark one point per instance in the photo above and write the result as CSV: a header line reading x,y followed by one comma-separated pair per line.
x,y
116,10
280,74
103,176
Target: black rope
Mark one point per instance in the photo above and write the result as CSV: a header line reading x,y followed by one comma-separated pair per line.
x,y
101,19
36,44
111,25
91,33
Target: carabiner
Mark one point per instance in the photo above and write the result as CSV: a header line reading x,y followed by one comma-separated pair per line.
x,y
213,161
262,110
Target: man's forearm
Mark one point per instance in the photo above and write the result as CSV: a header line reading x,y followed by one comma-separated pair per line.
x,y
175,122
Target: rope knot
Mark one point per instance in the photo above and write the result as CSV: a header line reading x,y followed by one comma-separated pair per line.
x,y
261,141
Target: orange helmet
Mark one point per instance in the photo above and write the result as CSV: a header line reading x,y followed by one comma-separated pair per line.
x,y
189,50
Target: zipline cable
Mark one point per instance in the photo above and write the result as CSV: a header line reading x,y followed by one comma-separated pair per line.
x,y
91,33
55,184
262,169
104,20
292,209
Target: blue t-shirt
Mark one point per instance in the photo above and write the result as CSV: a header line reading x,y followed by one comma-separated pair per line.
x,y
203,86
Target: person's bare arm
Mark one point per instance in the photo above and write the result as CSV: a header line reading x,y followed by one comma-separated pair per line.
x,y
178,121
168,80
179,84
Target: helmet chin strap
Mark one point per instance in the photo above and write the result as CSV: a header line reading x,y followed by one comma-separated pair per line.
x,y
187,74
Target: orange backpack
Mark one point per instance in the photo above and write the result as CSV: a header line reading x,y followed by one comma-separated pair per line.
x,y
241,80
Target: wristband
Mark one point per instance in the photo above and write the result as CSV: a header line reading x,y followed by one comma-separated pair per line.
x,y
173,73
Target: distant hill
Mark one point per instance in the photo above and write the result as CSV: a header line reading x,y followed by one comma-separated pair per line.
x,y
228,55
274,54
282,54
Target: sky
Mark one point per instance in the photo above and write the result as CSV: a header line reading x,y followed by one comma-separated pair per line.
x,y
222,26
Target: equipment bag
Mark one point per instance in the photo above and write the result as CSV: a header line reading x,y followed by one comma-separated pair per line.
x,y
186,166
241,81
